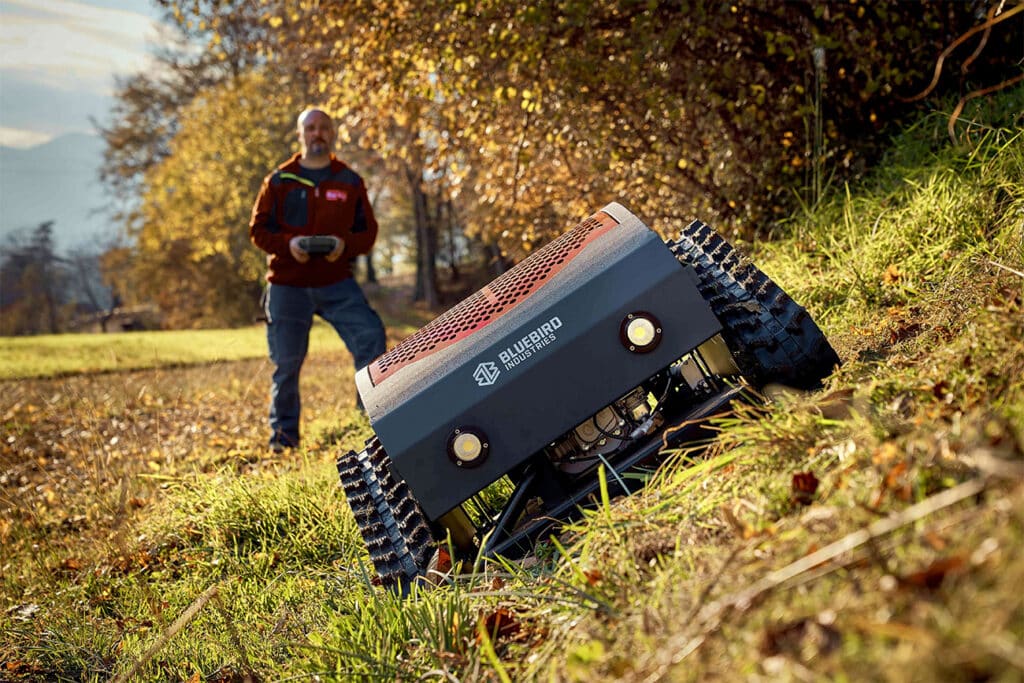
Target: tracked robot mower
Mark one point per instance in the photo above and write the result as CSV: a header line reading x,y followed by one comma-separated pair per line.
x,y
598,349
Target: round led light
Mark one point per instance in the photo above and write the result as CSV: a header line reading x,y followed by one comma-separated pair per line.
x,y
640,332
467,447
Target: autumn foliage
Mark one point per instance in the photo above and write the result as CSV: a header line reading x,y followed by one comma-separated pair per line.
x,y
514,120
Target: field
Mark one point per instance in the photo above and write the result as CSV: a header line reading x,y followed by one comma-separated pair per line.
x,y
62,355
869,531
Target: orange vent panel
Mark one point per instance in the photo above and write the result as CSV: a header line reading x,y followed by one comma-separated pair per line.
x,y
490,303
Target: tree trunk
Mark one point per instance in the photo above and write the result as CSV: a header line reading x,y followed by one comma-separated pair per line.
x,y
498,263
417,292
43,244
371,272
426,241
453,257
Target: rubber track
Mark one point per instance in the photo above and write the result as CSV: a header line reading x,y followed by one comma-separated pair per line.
x,y
773,338
411,520
389,518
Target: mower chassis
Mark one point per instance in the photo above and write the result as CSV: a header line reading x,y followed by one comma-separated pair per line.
x,y
514,542
772,340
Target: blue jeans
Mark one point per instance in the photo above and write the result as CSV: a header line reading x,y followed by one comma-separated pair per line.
x,y
290,312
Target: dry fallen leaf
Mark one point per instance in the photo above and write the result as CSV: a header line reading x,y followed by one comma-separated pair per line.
x,y
71,564
935,541
892,274
892,478
886,452
804,486
444,561
500,624
896,481
932,576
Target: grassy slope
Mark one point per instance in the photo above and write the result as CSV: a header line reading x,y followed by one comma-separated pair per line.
x,y
124,501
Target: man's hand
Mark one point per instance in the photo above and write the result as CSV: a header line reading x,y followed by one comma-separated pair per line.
x,y
298,253
336,254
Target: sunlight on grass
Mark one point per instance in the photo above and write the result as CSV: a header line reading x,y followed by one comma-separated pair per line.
x,y
66,354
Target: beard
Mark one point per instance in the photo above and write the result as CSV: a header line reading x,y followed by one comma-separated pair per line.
x,y
318,148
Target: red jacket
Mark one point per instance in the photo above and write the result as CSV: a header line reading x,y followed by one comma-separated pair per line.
x,y
289,205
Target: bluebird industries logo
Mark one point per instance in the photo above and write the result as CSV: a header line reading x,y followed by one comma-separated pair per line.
x,y
486,374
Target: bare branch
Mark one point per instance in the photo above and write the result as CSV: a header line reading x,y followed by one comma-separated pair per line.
x,y
989,23
978,93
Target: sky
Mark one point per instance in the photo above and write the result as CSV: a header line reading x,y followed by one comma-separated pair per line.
x,y
58,59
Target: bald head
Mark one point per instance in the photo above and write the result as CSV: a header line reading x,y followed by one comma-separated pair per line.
x,y
316,137
306,113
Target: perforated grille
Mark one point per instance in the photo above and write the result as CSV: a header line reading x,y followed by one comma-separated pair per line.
x,y
494,300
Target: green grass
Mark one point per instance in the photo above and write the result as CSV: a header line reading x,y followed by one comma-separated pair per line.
x,y
126,500
72,354
68,354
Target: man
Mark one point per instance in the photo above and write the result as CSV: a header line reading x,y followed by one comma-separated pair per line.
x,y
313,193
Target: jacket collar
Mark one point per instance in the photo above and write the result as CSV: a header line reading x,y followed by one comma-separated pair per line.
x,y
293,166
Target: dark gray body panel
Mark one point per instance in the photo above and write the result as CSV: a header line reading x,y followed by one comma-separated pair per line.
x,y
580,367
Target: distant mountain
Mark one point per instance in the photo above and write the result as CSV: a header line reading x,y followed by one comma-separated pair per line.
x,y
56,181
